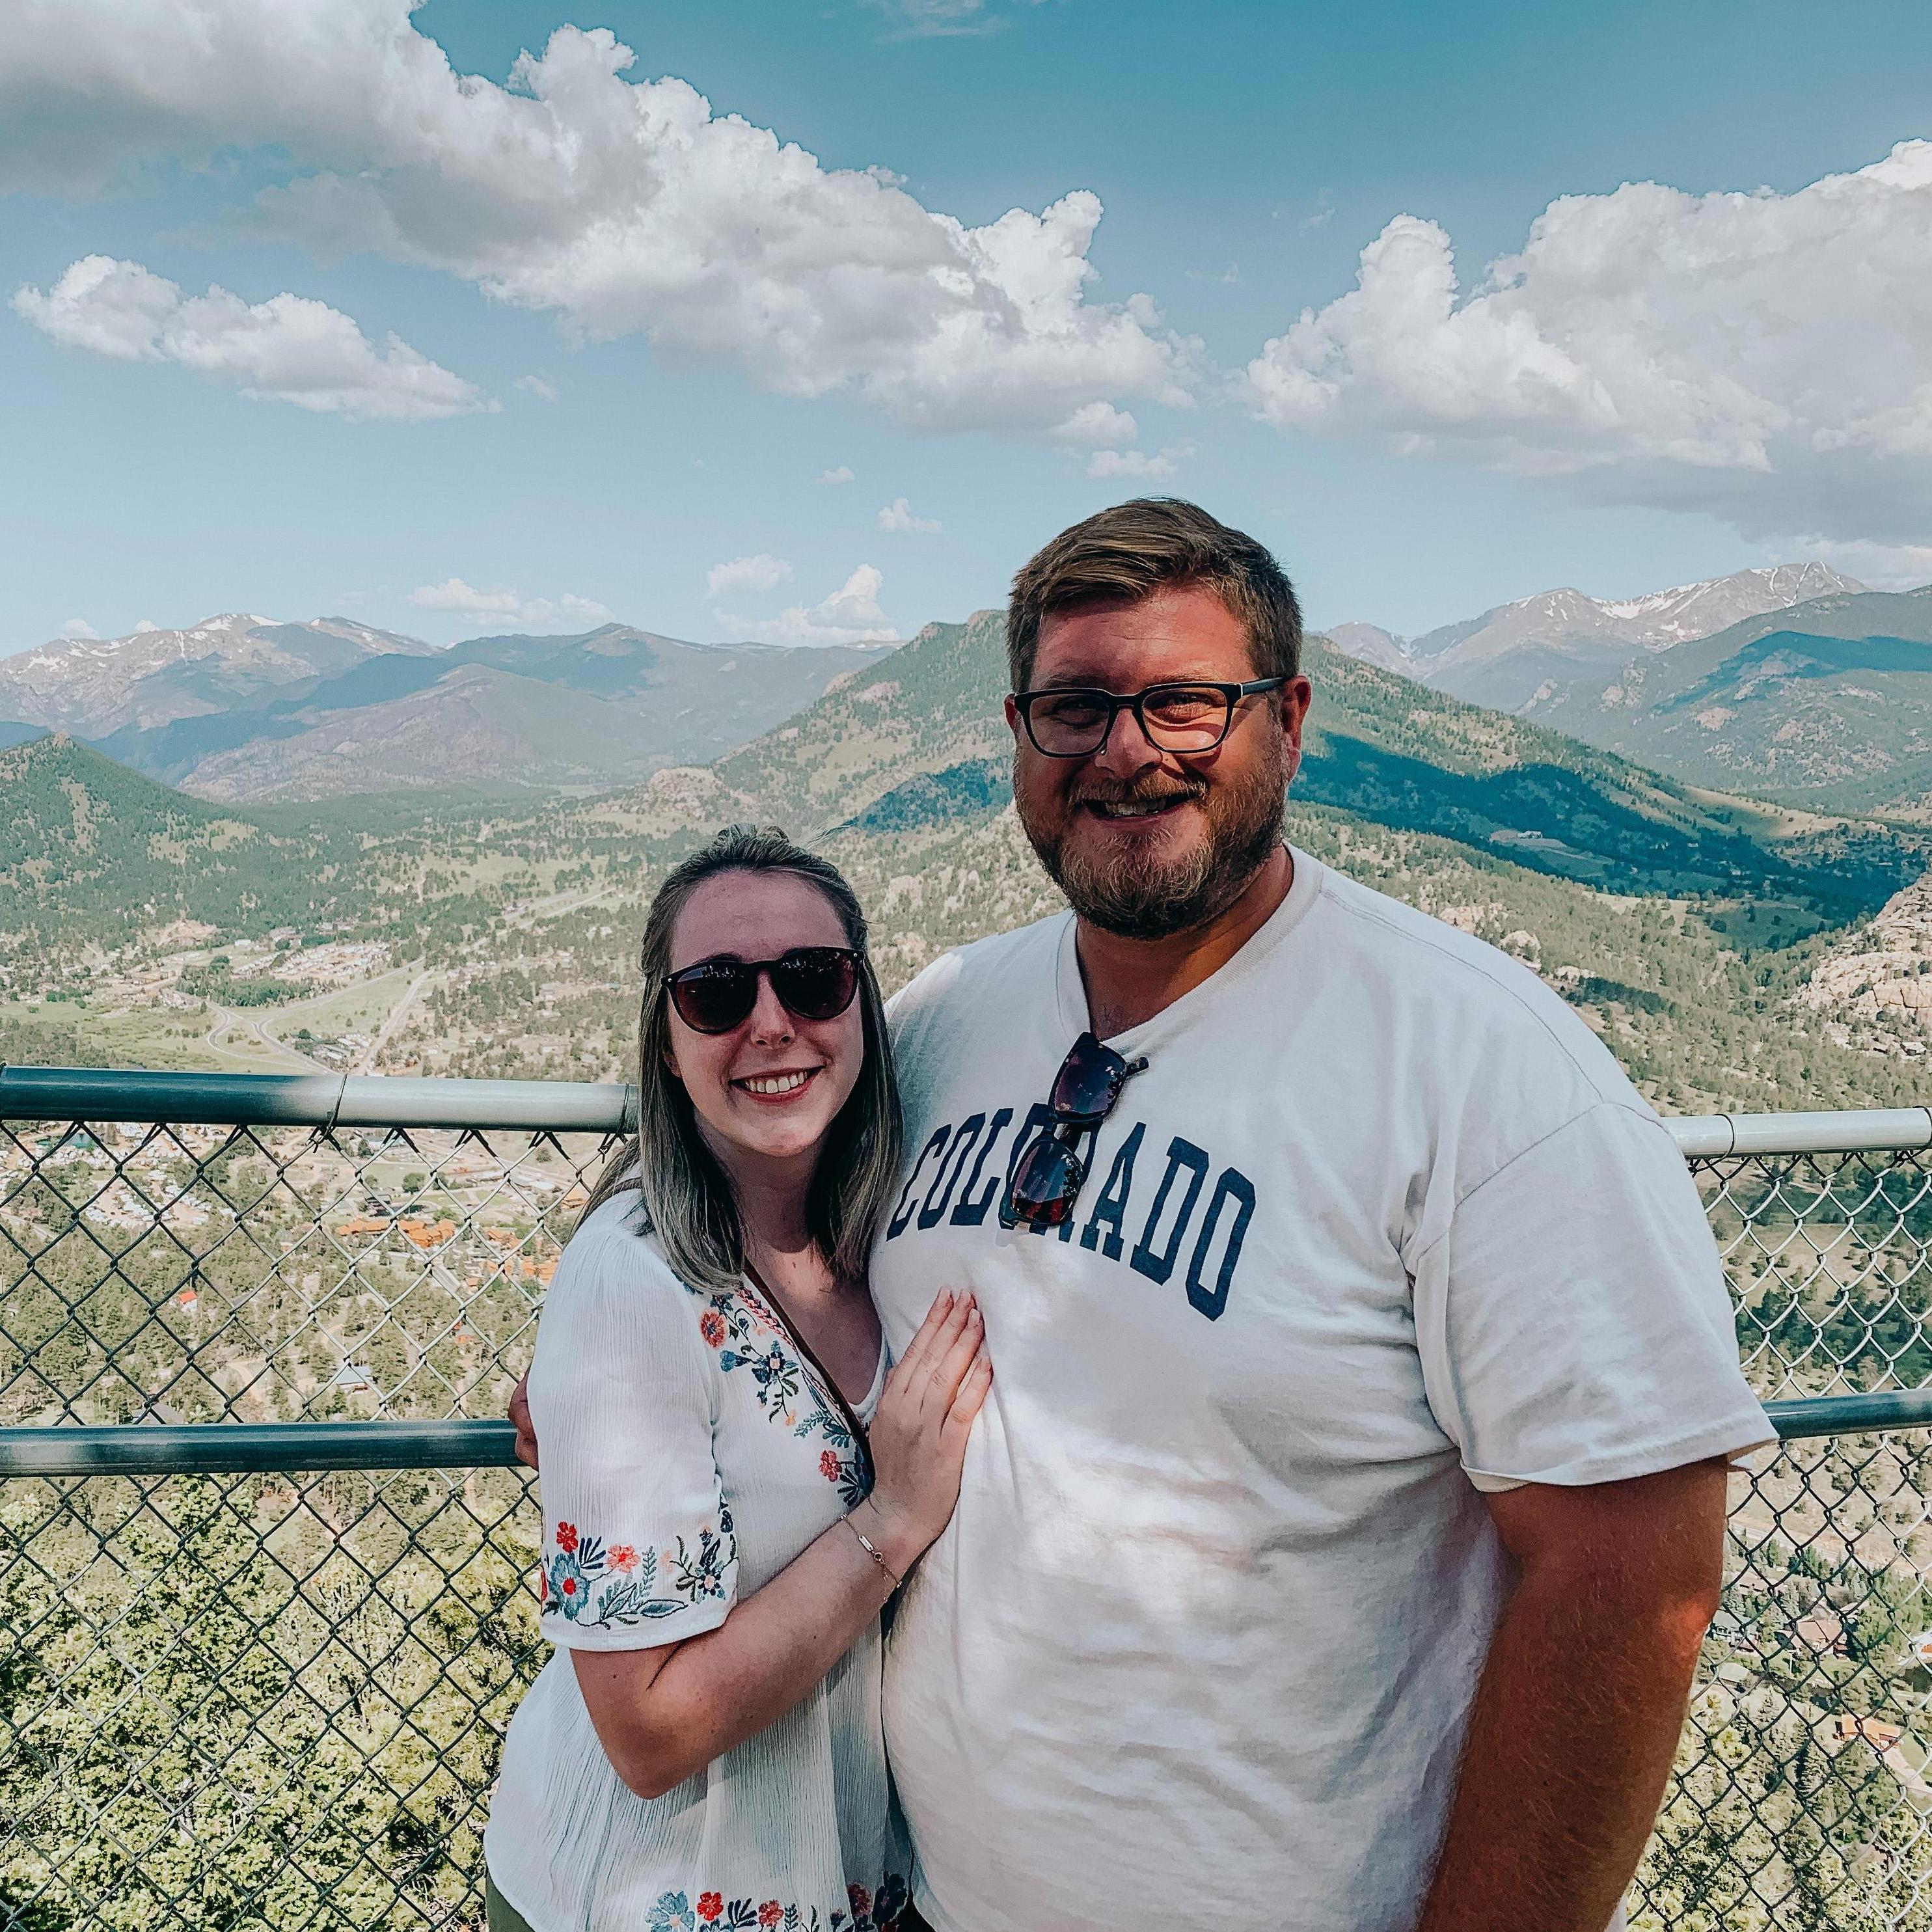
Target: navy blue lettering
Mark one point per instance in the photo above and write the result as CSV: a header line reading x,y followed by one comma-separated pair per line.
x,y
932,1209
971,1212
1144,1260
1235,1187
1112,1207
902,1213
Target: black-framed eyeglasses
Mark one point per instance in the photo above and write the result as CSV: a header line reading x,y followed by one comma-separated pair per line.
x,y
1076,722
1048,1177
813,983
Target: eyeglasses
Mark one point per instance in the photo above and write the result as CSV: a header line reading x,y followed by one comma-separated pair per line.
x,y
813,983
1076,722
1048,1177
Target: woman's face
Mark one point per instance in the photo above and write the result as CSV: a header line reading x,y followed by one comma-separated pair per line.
x,y
770,1088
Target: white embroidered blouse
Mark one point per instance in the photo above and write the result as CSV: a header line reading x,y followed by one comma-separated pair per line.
x,y
688,1455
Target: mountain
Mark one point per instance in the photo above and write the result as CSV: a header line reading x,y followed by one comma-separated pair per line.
x,y
1829,705
918,742
92,853
92,687
1517,653
239,709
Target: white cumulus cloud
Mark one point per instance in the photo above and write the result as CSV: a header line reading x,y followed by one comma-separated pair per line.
x,y
843,474
621,206
536,385
287,349
1765,357
897,515
79,629
1109,462
1096,423
567,613
762,572
850,616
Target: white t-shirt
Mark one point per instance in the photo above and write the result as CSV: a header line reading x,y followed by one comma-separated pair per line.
x,y
688,1455
1381,1225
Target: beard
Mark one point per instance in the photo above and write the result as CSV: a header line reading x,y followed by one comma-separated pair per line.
x,y
1143,896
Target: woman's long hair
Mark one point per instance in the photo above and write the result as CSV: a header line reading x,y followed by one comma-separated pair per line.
x,y
686,1195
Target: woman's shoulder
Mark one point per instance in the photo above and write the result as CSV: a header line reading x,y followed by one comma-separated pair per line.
x,y
613,1269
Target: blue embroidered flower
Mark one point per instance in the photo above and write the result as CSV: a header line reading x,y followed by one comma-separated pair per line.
x,y
779,1378
569,1586
672,1913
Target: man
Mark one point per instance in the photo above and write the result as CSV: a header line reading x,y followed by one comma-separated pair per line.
x,y
1334,1551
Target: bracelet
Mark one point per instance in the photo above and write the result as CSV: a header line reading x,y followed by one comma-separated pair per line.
x,y
872,1549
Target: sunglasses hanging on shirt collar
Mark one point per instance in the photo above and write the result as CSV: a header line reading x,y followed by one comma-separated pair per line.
x,y
1048,1177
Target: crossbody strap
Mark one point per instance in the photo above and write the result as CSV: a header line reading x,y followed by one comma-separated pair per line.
x,y
827,1385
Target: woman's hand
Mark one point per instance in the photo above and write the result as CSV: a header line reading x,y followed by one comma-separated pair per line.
x,y
918,1435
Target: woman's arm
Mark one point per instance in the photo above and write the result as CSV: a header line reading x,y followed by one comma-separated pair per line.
x,y
663,1715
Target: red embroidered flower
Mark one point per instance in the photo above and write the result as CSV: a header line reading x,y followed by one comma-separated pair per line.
x,y
569,1586
623,1557
829,1467
543,1585
769,1913
862,1900
566,1538
711,1326
709,1904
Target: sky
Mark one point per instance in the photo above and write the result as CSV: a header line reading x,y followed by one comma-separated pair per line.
x,y
809,322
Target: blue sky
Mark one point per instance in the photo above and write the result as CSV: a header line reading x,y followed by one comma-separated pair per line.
x,y
1669,386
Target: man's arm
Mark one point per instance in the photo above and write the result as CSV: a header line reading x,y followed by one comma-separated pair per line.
x,y
1580,1704
520,1419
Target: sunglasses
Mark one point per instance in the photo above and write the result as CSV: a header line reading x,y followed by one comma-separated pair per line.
x,y
813,983
1048,1177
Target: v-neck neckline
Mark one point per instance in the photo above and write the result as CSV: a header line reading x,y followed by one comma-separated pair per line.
x,y
767,1298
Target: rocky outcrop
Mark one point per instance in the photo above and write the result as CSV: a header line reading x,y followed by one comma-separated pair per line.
x,y
1874,989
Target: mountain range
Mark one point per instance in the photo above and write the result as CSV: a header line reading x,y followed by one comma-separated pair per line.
x,y
1503,657
1793,683
239,708
1811,689
917,743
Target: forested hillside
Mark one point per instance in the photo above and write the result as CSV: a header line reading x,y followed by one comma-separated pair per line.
x,y
470,936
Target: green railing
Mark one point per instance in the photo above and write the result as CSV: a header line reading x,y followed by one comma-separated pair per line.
x,y
265,1553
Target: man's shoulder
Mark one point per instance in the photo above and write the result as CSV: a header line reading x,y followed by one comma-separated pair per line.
x,y
1470,992
997,967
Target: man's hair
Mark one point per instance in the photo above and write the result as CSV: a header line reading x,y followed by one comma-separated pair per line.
x,y
1128,552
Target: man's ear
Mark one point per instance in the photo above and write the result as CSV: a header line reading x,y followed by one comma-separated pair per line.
x,y
1012,716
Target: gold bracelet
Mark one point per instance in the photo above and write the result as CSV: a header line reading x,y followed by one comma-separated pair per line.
x,y
872,1549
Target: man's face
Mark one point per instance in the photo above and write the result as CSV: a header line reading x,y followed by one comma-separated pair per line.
x,y
1216,817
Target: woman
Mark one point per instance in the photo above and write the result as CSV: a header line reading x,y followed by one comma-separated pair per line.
x,y
704,1748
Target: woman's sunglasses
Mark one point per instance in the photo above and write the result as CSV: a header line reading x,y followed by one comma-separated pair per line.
x,y
813,983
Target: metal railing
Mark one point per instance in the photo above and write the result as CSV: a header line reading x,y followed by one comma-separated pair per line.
x,y
264,1553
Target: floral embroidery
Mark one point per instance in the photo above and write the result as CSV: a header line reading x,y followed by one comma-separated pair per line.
x,y
758,1347
570,1581
878,1913
871,1913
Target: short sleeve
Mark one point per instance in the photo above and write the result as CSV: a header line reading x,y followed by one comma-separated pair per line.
x,y
1573,1319
638,1549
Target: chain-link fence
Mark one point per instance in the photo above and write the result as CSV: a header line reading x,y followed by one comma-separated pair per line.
x,y
264,1684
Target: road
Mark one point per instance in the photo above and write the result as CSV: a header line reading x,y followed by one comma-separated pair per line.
x,y
387,1030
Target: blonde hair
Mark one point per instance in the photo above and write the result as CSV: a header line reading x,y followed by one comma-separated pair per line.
x,y
685,1196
